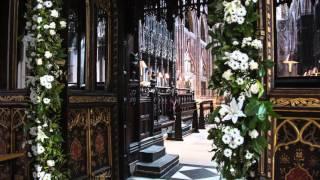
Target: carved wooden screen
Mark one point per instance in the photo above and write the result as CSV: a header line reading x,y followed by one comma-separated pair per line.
x,y
293,148
91,95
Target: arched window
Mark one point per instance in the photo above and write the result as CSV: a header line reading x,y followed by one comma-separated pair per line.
x,y
188,21
203,31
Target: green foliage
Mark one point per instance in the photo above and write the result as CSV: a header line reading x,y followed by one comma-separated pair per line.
x,y
46,84
257,111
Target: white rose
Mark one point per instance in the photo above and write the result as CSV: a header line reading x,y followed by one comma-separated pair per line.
x,y
47,54
227,74
46,26
63,24
52,25
49,78
39,19
254,88
253,65
39,61
46,100
227,152
235,43
48,4
54,13
43,81
50,163
52,32
253,134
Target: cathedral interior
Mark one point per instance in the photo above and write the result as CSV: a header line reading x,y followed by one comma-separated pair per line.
x,y
137,79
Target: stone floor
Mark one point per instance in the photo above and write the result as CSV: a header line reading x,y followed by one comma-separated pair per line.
x,y
195,158
194,149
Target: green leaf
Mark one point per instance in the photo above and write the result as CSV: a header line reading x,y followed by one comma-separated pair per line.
x,y
252,107
262,112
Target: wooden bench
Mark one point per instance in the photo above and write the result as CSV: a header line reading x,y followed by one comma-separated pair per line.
x,y
184,112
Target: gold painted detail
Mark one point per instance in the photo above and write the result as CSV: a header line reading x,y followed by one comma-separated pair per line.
x,y
13,98
92,99
294,130
296,102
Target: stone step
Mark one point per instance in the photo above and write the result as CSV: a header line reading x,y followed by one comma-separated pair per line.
x,y
158,168
152,153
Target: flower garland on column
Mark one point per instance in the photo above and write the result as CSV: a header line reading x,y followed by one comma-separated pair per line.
x,y
240,124
44,52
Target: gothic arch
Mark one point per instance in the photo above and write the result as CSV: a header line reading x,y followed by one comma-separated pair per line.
x,y
188,21
202,30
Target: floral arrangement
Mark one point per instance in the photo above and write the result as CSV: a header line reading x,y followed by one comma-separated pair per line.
x,y
44,54
240,124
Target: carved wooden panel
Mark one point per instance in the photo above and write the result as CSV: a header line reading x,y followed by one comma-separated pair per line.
x,y
297,148
89,141
77,141
12,121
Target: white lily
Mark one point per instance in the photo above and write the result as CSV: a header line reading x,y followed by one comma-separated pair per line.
x,y
233,111
41,136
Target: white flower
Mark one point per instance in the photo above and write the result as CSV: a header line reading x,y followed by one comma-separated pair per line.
x,y
248,155
48,85
227,152
215,164
253,134
33,131
217,120
54,13
37,167
240,81
52,25
46,100
52,32
48,4
241,98
41,136
226,139
227,74
39,6
46,26
235,43
50,163
47,54
33,54
39,61
257,44
253,65
233,111
254,88
37,149
49,78
63,24
241,11
232,170
39,19
240,20
34,17
243,57
239,140
47,177
233,145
